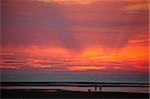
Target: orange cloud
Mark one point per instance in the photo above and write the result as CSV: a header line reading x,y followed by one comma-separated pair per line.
x,y
138,41
91,58
85,68
10,67
137,7
69,1
43,51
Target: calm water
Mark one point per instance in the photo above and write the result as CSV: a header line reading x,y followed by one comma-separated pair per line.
x,y
68,88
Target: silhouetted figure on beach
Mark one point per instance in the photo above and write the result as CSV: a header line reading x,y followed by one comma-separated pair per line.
x,y
95,88
100,88
89,90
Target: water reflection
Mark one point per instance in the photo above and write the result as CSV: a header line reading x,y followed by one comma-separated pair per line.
x,y
84,89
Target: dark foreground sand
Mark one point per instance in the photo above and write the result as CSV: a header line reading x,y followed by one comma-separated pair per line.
x,y
26,94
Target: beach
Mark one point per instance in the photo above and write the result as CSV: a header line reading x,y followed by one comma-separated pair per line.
x,y
18,93
73,90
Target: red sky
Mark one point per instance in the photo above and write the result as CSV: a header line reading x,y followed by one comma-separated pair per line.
x,y
93,36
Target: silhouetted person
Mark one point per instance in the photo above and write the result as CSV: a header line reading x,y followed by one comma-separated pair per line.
x,y
95,88
100,88
89,90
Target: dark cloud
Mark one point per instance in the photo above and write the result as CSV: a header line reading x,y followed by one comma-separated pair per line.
x,y
27,24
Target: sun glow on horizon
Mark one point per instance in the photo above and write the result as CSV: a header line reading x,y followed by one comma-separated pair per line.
x,y
90,59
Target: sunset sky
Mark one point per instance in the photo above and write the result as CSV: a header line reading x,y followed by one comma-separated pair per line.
x,y
75,40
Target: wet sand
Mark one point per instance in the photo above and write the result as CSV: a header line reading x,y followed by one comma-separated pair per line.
x,y
57,93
